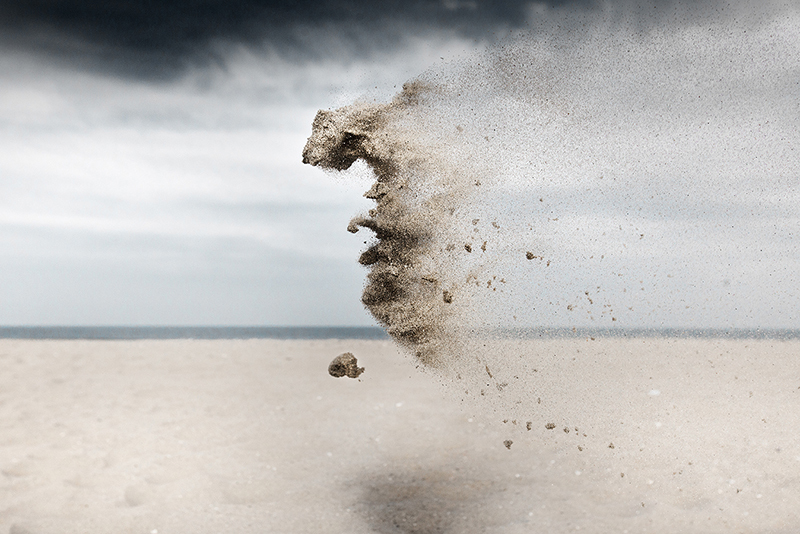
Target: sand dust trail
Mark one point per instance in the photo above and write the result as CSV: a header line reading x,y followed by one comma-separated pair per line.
x,y
612,169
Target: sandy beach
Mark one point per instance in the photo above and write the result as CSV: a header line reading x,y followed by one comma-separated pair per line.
x,y
253,436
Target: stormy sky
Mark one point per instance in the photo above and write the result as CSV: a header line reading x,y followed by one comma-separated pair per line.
x,y
150,169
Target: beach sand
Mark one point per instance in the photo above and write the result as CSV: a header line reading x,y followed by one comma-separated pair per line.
x,y
253,436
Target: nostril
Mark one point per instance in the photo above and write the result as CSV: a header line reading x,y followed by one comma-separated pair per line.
x,y
305,159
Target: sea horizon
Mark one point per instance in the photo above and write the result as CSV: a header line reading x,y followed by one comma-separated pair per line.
x,y
127,332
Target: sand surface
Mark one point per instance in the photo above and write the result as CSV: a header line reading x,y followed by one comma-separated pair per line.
x,y
254,436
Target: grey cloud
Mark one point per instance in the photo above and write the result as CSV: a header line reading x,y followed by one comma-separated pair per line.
x,y
72,278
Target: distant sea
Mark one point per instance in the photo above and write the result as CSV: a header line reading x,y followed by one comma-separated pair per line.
x,y
367,332
710,333
192,332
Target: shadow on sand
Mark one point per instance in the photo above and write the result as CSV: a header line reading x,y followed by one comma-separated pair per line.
x,y
420,500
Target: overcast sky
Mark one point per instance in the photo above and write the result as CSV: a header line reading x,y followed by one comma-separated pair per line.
x,y
150,168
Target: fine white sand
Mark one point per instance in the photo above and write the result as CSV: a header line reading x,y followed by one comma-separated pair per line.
x,y
253,436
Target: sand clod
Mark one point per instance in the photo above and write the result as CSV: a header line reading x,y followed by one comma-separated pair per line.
x,y
345,365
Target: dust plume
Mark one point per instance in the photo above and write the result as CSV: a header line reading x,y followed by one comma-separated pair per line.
x,y
604,169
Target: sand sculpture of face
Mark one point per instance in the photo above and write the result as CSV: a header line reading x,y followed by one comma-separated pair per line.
x,y
400,293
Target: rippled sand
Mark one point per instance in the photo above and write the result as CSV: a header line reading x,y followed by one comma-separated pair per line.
x,y
254,436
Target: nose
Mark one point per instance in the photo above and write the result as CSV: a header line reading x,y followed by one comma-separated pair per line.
x,y
305,159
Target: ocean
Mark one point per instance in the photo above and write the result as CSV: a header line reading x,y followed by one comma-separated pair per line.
x,y
368,332
191,332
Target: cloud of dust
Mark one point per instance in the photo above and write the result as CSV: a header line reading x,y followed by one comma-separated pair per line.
x,y
586,173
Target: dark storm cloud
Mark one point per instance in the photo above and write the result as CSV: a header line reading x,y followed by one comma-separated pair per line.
x,y
160,38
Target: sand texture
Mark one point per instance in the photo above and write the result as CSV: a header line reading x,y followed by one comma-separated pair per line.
x,y
254,436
